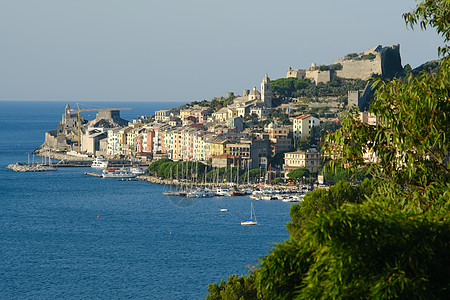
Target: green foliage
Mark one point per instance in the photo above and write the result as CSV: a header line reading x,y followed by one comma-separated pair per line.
x,y
336,174
429,67
369,56
435,14
351,56
410,139
278,180
155,165
362,252
285,87
297,174
280,115
168,169
255,175
337,66
277,160
281,272
303,143
323,201
234,288
336,87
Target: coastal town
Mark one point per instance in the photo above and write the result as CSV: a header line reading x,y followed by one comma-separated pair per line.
x,y
255,130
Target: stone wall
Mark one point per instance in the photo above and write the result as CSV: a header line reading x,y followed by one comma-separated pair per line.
x,y
386,62
379,60
319,76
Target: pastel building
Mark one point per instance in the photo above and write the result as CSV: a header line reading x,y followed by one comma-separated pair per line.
x,y
302,126
309,159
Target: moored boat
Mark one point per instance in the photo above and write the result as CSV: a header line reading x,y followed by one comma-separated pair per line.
x,y
252,220
117,173
99,163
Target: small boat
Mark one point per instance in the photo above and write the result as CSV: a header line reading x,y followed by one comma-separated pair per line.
x,y
267,197
222,192
200,193
138,170
252,220
236,192
223,209
99,163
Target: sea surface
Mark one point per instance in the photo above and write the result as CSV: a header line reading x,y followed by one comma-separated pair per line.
x,y
64,235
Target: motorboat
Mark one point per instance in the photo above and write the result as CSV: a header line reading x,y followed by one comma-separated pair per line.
x,y
222,192
236,192
137,170
99,163
200,193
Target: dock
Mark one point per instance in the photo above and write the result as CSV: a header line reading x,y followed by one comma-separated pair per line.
x,y
92,174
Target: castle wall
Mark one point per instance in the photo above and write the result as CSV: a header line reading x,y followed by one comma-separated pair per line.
x,y
296,73
359,69
319,76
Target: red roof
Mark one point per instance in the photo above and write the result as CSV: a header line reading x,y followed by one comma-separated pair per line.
x,y
302,117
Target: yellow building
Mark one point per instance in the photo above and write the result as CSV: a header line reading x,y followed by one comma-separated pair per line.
x,y
217,147
309,159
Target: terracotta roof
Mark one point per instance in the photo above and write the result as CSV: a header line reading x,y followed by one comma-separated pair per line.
x,y
302,117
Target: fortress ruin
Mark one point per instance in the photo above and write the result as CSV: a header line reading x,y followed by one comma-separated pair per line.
x,y
382,61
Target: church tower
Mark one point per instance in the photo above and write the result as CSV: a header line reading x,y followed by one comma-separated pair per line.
x,y
266,91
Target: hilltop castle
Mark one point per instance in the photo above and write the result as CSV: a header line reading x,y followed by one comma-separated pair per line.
x,y
383,61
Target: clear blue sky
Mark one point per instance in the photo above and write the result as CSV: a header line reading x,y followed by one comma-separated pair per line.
x,y
144,50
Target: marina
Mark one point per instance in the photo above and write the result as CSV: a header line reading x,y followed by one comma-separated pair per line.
x,y
65,233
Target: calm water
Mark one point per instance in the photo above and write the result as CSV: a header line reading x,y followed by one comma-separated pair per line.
x,y
65,235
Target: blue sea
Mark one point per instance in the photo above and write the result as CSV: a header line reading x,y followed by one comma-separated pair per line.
x,y
64,235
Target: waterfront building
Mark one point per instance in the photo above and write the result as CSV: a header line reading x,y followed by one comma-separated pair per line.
x,y
309,159
158,139
145,142
251,151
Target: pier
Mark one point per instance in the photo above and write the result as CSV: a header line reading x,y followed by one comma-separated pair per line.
x,y
92,174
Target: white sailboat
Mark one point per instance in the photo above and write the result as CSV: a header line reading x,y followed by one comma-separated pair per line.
x,y
252,220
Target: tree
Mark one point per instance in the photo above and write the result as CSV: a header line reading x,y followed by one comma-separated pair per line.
x,y
234,288
304,143
253,175
297,174
322,201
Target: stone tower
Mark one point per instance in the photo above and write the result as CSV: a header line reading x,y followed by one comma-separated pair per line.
x,y
266,91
